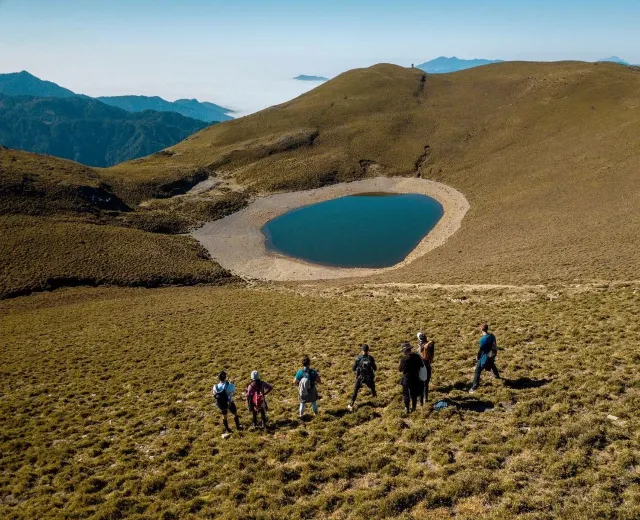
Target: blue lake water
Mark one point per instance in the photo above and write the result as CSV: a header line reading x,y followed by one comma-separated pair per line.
x,y
367,230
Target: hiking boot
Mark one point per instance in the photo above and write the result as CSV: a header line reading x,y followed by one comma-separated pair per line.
x,y
496,376
472,391
350,407
407,411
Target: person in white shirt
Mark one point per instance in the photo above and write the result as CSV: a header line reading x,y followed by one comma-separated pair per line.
x,y
223,394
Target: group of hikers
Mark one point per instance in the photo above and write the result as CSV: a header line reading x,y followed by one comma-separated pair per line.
x,y
415,368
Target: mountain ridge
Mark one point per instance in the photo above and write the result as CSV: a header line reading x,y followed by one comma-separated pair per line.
x,y
26,84
88,131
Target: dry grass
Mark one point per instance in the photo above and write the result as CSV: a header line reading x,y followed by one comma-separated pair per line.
x,y
546,153
109,414
43,253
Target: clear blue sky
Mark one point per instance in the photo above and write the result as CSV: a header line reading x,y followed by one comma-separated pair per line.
x,y
244,52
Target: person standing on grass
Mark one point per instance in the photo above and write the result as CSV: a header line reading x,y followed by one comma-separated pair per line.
x,y
307,380
488,348
256,393
223,394
410,366
365,369
426,350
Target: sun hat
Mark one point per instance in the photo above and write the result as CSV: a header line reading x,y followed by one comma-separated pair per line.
x,y
255,375
405,346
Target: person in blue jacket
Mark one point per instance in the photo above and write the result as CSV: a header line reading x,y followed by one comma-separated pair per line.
x,y
486,357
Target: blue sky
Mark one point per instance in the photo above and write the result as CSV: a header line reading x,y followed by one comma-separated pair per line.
x,y
244,52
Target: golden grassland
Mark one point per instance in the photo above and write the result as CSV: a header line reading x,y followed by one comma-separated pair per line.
x,y
107,411
60,225
546,154
105,398
58,252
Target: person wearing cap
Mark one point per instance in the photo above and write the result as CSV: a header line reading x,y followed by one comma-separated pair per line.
x,y
486,357
223,394
426,350
365,369
256,393
410,366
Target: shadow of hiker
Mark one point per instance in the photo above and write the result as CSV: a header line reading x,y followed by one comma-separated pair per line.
x,y
463,404
448,388
281,423
473,404
523,383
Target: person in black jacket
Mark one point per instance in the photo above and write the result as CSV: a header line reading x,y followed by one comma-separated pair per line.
x,y
410,366
365,368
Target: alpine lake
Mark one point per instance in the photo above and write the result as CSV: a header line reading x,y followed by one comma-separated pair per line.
x,y
368,230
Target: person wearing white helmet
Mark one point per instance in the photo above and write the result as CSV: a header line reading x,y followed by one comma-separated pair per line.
x,y
256,392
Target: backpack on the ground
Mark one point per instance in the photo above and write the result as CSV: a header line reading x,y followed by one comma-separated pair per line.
x,y
222,397
305,387
365,369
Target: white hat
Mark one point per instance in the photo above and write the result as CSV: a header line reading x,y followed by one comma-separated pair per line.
x,y
255,375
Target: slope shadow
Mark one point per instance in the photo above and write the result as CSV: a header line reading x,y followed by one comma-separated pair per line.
x,y
467,403
472,404
523,383
448,388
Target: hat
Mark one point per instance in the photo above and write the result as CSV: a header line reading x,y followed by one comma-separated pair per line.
x,y
405,346
255,375
422,336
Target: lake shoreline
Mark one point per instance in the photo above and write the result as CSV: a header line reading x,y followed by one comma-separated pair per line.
x,y
236,242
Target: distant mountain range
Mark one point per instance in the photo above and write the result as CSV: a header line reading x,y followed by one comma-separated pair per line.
x,y
443,65
40,116
303,77
87,131
25,84
203,111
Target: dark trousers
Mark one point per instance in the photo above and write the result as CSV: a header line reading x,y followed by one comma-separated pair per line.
x,y
490,365
358,385
263,416
411,391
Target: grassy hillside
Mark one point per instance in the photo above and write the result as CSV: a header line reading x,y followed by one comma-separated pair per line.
x,y
109,414
88,131
61,225
546,153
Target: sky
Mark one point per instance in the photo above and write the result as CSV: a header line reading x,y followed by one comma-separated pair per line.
x,y
244,53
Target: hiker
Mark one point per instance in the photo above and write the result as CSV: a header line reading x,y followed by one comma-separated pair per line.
x,y
223,393
256,393
488,348
410,366
307,378
426,349
365,369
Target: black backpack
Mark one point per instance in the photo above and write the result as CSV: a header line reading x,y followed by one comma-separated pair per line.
x,y
222,397
365,369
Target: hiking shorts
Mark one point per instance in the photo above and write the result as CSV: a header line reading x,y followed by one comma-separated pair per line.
x,y
230,408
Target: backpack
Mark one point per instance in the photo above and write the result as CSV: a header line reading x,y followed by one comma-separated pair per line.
x,y
423,374
222,397
365,369
305,387
258,398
